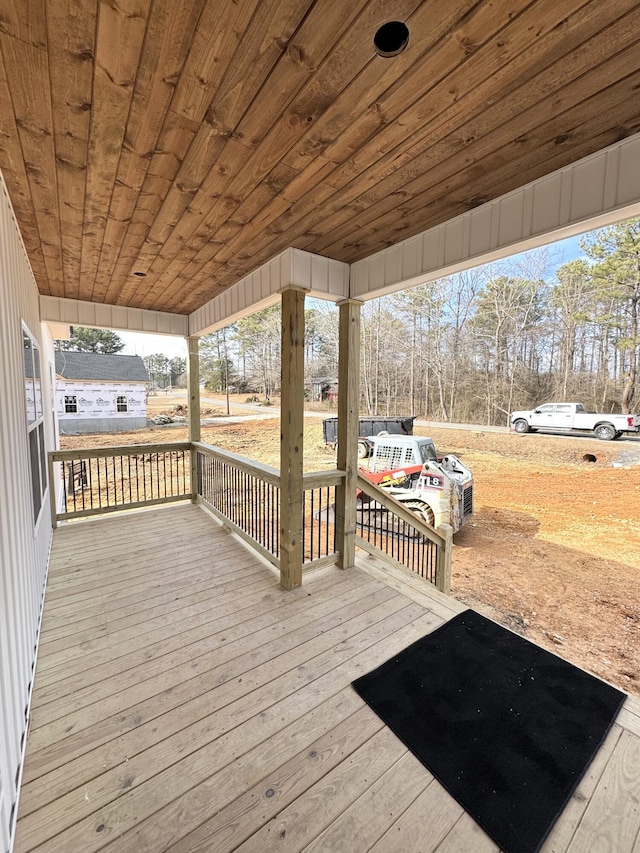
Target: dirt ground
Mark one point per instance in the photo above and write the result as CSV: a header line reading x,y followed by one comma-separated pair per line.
x,y
553,549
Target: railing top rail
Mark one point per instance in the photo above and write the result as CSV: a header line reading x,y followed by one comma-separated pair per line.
x,y
318,479
257,469
119,450
398,509
312,480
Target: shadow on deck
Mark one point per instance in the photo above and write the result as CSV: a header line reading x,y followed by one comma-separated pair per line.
x,y
183,701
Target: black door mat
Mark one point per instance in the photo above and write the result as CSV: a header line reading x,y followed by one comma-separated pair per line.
x,y
508,728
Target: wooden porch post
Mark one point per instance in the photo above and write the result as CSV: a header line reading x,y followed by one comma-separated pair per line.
x,y
348,409
443,562
291,437
193,384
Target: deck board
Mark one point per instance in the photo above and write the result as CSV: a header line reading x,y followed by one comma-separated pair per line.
x,y
170,651
185,702
381,804
276,636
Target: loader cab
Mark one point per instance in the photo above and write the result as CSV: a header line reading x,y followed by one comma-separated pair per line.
x,y
390,452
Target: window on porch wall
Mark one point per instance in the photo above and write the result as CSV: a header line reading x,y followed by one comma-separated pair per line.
x,y
35,421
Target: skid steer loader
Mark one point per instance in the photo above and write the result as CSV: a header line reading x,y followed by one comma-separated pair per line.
x,y
438,489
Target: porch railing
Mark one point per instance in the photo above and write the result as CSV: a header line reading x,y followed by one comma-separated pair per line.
x,y
245,495
384,525
111,479
319,528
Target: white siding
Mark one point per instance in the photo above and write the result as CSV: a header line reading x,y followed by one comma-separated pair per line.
x,y
75,312
24,547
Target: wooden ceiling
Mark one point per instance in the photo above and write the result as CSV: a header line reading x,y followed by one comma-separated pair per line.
x,y
191,140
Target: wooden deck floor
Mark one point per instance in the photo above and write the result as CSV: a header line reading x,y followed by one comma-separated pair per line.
x,y
184,702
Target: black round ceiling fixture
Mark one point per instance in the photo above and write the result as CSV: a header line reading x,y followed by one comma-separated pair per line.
x,y
391,39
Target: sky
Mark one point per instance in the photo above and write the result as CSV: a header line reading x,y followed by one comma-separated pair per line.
x,y
569,249
137,343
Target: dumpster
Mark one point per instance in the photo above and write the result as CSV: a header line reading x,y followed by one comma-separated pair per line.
x,y
369,426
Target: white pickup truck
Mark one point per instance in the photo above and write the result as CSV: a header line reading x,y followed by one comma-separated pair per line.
x,y
573,416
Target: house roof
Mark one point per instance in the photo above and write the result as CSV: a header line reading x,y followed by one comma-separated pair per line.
x,y
190,142
100,367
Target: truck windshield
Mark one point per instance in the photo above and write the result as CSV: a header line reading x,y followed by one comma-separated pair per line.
x,y
428,452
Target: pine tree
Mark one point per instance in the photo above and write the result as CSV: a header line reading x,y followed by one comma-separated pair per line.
x,y
93,340
616,252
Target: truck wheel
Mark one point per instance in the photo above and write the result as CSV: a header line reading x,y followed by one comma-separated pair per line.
x,y
423,511
362,450
606,432
521,426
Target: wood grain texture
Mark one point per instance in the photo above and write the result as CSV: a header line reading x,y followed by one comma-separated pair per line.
x,y
347,451
292,437
71,40
193,142
119,40
185,702
33,120
14,170
434,810
617,793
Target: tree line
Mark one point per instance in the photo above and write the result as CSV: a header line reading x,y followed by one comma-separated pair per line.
x,y
475,346
166,373
470,347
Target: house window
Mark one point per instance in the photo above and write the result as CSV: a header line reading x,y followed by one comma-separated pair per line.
x,y
121,404
35,421
71,404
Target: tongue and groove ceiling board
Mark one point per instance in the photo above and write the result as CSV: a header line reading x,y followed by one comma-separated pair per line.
x,y
192,140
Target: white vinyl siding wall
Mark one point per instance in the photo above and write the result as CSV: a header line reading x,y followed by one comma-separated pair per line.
x,y
24,547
